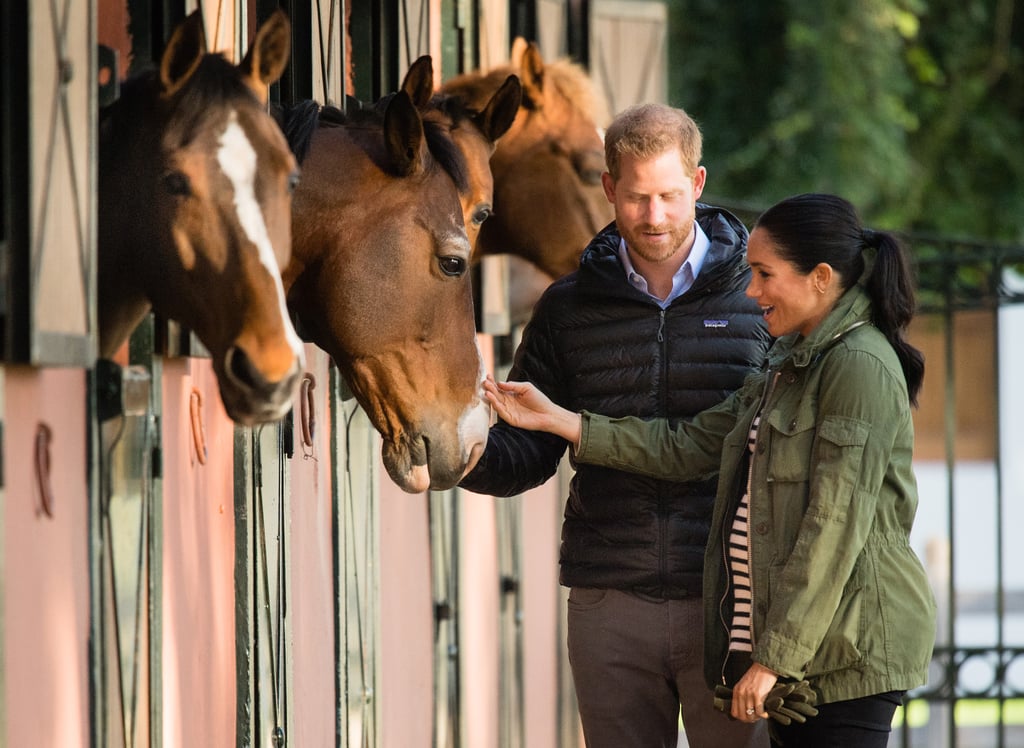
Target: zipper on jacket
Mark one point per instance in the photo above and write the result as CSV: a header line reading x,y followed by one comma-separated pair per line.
x,y
770,382
664,400
769,386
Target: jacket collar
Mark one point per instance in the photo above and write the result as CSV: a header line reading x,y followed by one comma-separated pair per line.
x,y
600,263
851,311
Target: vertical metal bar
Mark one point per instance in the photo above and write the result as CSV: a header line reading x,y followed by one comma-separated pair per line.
x,y
950,442
1000,598
577,29
337,565
245,711
343,64
455,684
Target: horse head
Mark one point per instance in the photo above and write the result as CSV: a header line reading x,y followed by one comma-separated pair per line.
x,y
474,131
380,279
195,182
548,199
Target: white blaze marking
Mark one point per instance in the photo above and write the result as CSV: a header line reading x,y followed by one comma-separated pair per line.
x,y
238,162
475,421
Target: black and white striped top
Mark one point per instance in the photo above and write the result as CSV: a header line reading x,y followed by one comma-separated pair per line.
x,y
739,562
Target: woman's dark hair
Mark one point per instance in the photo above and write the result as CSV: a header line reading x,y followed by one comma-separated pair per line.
x,y
815,228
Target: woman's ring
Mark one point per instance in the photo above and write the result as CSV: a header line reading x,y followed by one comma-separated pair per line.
x,y
751,711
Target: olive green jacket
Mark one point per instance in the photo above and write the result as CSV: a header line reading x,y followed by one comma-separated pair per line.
x,y
839,596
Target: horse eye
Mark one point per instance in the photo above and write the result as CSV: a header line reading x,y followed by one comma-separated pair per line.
x,y
177,183
589,165
293,182
452,266
481,215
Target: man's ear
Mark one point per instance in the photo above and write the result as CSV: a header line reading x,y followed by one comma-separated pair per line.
x,y
609,186
699,177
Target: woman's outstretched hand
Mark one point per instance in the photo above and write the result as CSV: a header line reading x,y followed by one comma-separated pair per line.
x,y
523,405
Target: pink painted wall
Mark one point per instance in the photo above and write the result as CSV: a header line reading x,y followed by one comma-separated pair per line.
x,y
45,562
406,685
407,625
542,609
198,559
311,587
479,625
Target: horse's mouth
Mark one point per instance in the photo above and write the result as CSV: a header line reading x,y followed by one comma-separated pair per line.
x,y
252,407
406,460
247,412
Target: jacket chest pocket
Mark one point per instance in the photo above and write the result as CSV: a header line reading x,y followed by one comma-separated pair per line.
x,y
788,445
813,463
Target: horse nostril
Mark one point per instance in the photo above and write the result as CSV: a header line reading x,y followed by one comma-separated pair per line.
x,y
242,369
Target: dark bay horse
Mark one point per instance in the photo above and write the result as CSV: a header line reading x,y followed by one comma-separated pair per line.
x,y
379,276
548,199
195,182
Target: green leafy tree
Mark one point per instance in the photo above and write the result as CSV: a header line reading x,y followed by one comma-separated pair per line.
x,y
913,109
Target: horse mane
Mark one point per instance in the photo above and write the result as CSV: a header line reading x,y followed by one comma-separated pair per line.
x,y
299,121
568,79
573,82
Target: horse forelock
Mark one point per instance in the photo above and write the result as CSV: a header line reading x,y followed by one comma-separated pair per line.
x,y
446,153
213,88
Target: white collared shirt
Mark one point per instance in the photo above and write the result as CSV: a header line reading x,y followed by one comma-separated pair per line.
x,y
683,277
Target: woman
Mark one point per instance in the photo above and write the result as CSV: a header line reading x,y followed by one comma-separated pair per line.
x,y
808,572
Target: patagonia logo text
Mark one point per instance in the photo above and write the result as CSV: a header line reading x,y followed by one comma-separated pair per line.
x,y
716,323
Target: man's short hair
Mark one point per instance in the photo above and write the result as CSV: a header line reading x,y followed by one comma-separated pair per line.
x,y
647,130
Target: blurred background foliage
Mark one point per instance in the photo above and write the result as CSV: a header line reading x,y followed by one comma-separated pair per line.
x,y
912,109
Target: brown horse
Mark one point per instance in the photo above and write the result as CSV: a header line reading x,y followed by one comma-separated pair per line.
x,y
379,273
195,182
474,132
548,199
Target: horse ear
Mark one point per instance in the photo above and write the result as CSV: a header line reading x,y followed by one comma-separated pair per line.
x,y
183,53
531,72
501,110
403,134
419,82
268,55
518,48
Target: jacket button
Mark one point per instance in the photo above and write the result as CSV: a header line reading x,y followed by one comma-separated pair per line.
x,y
762,528
791,377
792,425
760,448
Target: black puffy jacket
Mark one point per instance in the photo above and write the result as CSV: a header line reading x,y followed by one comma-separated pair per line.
x,y
594,342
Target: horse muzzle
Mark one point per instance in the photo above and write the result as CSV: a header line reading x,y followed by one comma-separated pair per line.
x,y
250,396
436,458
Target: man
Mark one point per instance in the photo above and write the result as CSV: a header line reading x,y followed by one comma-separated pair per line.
x,y
654,323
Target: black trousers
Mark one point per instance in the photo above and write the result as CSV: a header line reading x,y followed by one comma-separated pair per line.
x,y
857,723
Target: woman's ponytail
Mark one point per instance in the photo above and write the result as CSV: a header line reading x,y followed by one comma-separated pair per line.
x,y
890,285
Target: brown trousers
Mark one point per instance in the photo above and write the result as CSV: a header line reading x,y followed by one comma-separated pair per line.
x,y
636,661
